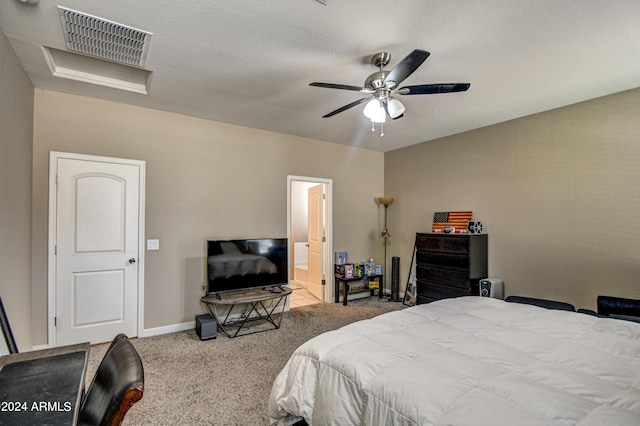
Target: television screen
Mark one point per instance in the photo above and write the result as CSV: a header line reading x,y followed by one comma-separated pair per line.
x,y
245,264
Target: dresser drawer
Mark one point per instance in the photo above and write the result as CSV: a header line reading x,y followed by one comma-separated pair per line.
x,y
443,276
421,300
443,260
438,291
443,243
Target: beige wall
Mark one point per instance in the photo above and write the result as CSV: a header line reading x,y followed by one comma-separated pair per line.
x,y
16,124
558,192
204,180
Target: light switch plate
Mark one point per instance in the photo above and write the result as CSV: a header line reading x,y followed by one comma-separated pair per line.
x,y
153,244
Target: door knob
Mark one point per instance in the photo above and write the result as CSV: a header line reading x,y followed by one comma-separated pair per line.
x,y
132,260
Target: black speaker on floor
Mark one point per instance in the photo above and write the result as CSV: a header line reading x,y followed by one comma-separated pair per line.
x,y
206,327
395,279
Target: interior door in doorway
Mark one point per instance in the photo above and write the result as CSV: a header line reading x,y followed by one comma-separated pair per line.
x,y
96,260
316,240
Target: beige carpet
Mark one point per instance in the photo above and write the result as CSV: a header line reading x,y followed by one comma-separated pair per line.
x,y
227,381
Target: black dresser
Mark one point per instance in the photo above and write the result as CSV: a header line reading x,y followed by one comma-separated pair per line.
x,y
449,265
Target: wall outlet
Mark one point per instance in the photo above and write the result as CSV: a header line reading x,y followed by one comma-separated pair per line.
x,y
153,244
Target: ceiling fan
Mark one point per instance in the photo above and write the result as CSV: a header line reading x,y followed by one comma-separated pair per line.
x,y
382,87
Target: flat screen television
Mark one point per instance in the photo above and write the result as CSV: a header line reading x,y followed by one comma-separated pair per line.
x,y
246,264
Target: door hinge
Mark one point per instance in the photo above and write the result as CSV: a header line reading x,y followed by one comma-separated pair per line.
x,y
324,282
56,178
324,239
55,321
55,250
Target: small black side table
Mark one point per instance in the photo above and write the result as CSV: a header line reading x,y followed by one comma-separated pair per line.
x,y
345,290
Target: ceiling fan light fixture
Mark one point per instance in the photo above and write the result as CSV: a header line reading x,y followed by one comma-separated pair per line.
x,y
371,107
374,111
395,108
379,118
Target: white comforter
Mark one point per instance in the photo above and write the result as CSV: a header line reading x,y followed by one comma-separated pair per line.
x,y
466,361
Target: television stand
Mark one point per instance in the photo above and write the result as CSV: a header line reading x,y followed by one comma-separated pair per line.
x,y
254,299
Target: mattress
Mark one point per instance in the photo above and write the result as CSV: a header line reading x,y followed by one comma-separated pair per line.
x,y
465,361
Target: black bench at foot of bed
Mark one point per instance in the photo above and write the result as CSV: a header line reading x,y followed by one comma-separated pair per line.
x,y
608,306
543,303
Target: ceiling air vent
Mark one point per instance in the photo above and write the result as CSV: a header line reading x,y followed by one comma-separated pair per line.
x,y
100,38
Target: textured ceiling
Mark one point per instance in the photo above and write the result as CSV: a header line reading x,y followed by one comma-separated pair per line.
x,y
250,62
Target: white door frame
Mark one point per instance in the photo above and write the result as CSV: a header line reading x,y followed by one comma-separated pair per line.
x,y
51,258
328,250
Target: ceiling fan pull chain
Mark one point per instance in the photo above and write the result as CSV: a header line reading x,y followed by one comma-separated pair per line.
x,y
373,126
381,129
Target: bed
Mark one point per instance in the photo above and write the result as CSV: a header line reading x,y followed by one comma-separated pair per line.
x,y
465,361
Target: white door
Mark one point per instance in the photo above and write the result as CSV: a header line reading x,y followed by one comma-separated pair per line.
x,y
97,252
316,240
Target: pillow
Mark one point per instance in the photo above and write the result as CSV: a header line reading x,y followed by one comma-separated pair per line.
x,y
229,248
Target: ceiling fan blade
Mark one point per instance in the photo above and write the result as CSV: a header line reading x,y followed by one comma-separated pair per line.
x,y
430,89
407,66
346,107
337,86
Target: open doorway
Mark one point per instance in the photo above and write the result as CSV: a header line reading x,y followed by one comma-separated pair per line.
x,y
309,233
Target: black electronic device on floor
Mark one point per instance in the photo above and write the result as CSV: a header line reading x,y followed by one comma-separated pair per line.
x,y
206,327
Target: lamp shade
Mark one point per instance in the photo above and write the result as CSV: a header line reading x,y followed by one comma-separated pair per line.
x,y
387,201
374,111
395,108
371,107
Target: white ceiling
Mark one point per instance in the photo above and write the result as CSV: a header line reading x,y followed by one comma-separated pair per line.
x,y
250,62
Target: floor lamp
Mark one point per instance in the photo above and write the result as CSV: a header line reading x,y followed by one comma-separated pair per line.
x,y
386,202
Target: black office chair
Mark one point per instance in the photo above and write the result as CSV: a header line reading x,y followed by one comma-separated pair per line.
x,y
6,330
116,386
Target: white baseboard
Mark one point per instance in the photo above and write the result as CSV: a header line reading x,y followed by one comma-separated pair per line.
x,y
174,328
190,325
39,347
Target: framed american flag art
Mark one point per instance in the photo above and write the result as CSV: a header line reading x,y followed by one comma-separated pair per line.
x,y
457,221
